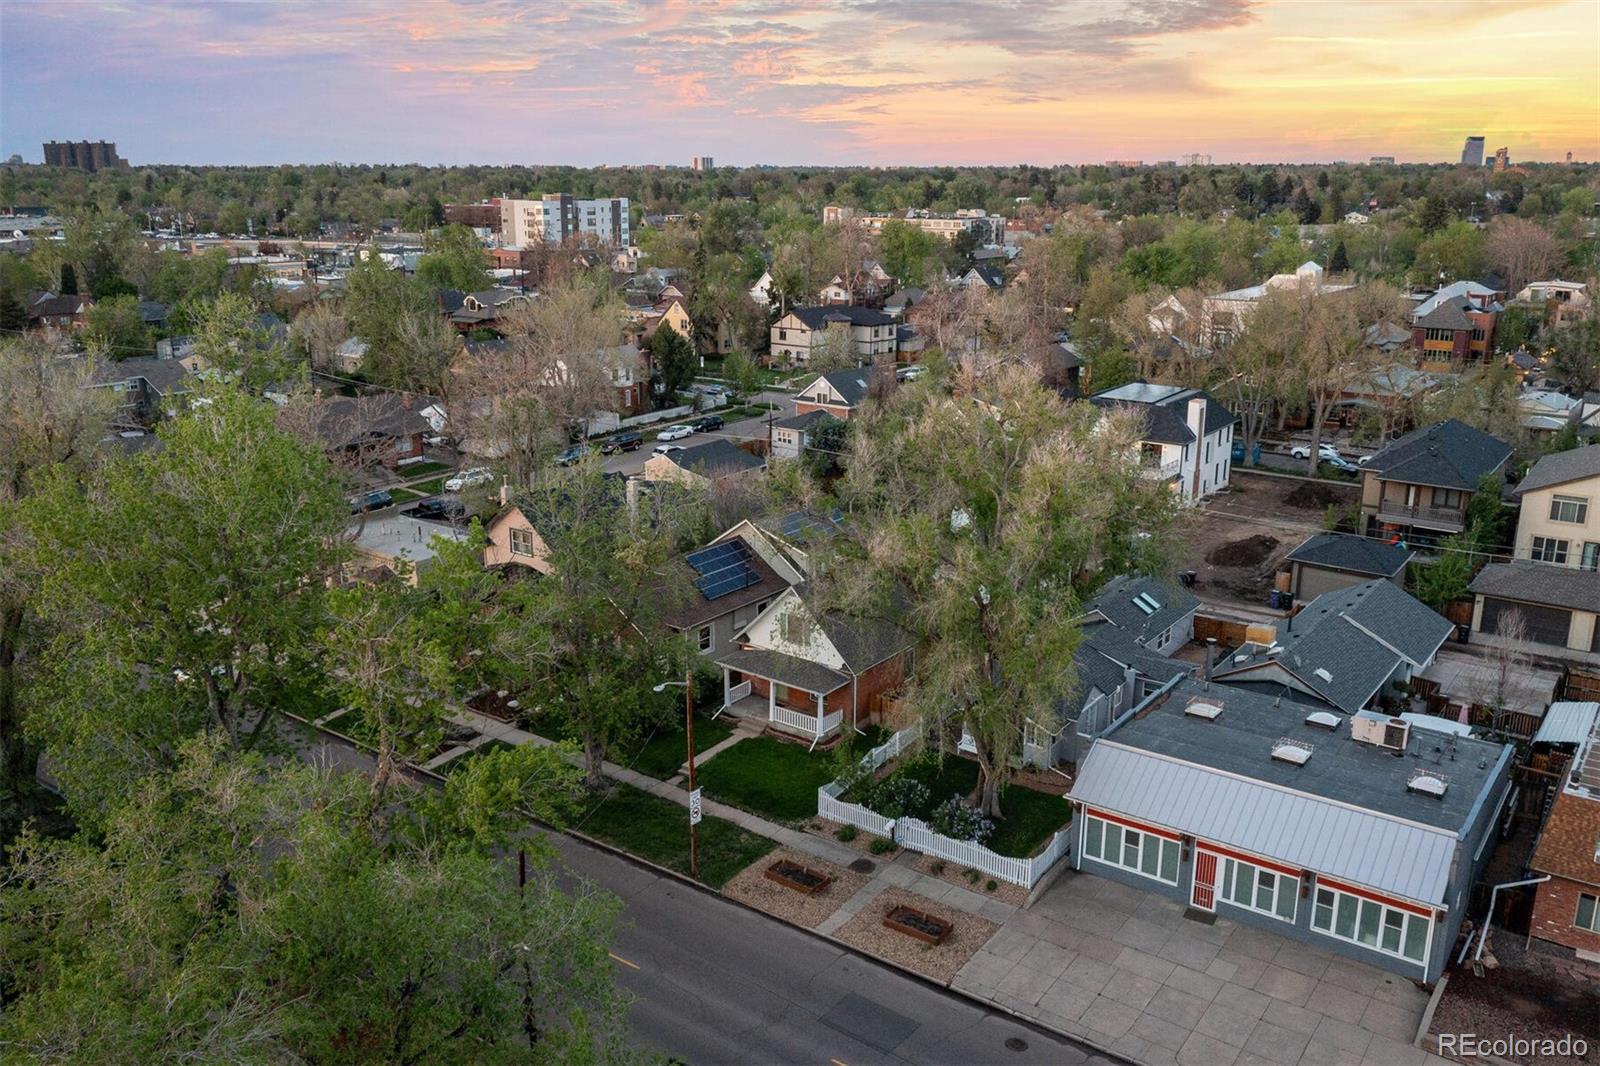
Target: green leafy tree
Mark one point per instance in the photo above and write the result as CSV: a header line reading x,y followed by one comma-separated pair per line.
x,y
182,588
454,258
827,443
1454,253
408,342
232,341
674,359
13,316
909,252
237,912
1576,359
113,329
586,642
741,372
974,519
1339,262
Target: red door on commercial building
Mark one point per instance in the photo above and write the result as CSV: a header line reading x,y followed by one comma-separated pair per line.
x,y
1205,880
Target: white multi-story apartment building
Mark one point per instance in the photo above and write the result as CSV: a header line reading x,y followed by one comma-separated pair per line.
x,y
554,217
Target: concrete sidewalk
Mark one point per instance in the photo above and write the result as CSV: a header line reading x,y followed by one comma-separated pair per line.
x,y
1124,969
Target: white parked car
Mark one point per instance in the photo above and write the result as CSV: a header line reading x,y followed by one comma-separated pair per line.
x,y
674,433
478,475
1324,451
668,449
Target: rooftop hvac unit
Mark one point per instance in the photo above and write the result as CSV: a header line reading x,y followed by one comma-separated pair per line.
x,y
1380,731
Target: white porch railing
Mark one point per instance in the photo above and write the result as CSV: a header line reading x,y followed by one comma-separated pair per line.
x,y
733,695
1159,471
808,724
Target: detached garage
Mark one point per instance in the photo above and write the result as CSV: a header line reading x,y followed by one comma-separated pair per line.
x,y
1558,605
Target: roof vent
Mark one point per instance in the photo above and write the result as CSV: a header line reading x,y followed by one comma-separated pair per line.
x,y
1428,782
1241,658
1320,672
1292,751
1203,709
1323,720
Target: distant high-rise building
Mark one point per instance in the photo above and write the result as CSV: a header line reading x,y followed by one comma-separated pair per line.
x,y
84,155
556,216
1502,159
703,162
1196,159
1569,157
1472,152
1381,161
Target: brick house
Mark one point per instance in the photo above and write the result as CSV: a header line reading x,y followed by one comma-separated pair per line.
x,y
1566,908
1455,324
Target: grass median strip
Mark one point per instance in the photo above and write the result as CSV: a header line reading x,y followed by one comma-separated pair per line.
x,y
658,830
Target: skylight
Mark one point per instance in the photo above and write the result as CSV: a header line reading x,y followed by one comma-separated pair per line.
x,y
1320,672
1203,709
1146,603
1292,751
1323,719
1428,783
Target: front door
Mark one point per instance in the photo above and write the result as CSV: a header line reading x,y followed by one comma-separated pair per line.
x,y
1205,880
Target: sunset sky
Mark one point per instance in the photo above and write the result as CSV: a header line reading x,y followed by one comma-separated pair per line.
x,y
768,81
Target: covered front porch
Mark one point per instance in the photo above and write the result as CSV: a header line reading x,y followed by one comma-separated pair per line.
x,y
785,691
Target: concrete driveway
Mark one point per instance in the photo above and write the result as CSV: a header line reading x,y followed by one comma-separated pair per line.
x,y
1126,969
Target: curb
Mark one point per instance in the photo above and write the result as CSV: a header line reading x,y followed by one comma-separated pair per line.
x,y
922,979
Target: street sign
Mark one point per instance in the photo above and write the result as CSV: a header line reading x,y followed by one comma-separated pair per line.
x,y
694,807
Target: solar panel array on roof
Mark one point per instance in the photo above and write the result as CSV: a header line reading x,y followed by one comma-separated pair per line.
x,y
723,569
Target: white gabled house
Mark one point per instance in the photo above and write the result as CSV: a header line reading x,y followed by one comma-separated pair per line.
x,y
1188,436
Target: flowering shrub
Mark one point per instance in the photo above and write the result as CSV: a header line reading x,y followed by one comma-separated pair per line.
x,y
956,820
897,796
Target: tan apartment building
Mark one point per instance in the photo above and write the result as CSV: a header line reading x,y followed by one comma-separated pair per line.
x,y
872,333
1560,518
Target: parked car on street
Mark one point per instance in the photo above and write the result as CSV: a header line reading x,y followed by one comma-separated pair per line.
x,y
668,449
370,501
478,475
572,455
1343,465
622,442
674,433
706,423
1325,451
438,507
910,373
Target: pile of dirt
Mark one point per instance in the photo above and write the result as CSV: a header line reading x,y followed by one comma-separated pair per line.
x,y
1313,496
1251,551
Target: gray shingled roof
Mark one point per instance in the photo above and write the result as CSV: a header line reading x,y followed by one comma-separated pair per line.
x,y
805,421
714,458
862,642
1447,454
785,669
850,384
165,376
1115,603
817,317
1449,314
1354,555
1540,583
1166,409
1562,467
1357,637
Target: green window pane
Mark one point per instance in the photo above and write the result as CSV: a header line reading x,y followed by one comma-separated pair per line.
x,y
1287,889
1367,927
1416,937
1393,923
1169,861
1266,881
1113,851
1322,913
1150,860
1130,848
1095,831
1587,908
1346,924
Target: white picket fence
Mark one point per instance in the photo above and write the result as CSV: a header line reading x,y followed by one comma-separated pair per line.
x,y
916,835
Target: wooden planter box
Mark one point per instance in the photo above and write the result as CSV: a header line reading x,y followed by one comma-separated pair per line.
x,y
802,879
920,924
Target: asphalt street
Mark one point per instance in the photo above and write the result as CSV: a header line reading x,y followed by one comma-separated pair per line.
x,y
633,462
714,983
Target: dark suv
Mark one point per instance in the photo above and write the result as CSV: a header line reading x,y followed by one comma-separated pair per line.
x,y
706,424
370,501
622,442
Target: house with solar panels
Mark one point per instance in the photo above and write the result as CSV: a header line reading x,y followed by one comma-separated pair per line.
x,y
811,672
736,577
1360,835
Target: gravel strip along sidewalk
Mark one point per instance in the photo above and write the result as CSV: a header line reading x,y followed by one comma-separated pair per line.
x,y
751,886
867,932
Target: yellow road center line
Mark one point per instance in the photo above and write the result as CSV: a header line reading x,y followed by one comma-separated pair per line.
x,y
635,966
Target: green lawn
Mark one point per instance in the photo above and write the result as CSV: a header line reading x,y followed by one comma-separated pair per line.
x,y
1030,817
404,496
411,470
665,752
768,777
657,829
431,487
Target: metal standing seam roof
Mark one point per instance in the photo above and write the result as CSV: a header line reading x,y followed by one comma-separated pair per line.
x,y
1568,722
1367,848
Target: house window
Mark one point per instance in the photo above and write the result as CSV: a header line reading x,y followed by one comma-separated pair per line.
x,y
1588,913
1258,889
783,334
1371,924
1569,509
794,628
1132,849
522,542
1548,550
1591,556
703,638
1447,498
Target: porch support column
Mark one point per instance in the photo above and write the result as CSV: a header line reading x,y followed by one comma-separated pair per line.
x,y
725,686
772,698
819,714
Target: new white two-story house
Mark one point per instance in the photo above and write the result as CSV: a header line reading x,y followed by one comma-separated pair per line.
x,y
1188,436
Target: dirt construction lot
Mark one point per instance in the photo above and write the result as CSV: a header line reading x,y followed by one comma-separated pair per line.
x,y
1236,540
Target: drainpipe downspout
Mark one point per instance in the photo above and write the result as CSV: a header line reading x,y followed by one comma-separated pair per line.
x,y
1487,918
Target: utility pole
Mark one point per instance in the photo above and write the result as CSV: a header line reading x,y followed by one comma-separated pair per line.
x,y
694,791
